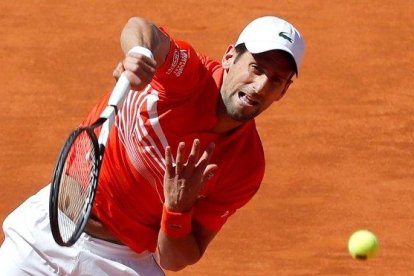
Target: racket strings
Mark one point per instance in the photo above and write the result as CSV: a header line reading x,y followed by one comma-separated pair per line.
x,y
75,184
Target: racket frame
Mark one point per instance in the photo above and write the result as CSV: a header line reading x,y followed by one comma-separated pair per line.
x,y
55,187
106,120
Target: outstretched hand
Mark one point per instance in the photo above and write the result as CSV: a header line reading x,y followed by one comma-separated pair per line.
x,y
184,182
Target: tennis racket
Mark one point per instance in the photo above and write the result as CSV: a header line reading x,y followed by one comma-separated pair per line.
x,y
76,173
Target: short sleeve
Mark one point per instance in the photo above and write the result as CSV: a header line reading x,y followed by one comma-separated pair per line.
x,y
236,182
213,211
180,73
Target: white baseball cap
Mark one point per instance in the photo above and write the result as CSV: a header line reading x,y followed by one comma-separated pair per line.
x,y
272,33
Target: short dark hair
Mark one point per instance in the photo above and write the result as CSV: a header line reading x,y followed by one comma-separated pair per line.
x,y
291,60
240,50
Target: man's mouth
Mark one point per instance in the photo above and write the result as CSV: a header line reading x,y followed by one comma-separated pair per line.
x,y
246,99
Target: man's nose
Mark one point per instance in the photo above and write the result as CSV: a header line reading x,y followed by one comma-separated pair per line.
x,y
260,83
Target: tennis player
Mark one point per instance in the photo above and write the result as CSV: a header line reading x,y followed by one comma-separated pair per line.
x,y
183,156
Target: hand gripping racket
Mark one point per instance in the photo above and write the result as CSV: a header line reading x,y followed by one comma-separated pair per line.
x,y
76,174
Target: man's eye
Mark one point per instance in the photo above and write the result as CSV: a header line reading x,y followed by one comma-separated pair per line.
x,y
256,69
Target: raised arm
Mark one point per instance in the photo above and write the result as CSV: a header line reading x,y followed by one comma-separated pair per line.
x,y
139,68
141,32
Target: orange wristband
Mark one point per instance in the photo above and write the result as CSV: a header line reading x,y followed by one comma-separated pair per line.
x,y
176,225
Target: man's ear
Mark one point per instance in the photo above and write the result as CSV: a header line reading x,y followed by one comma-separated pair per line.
x,y
228,57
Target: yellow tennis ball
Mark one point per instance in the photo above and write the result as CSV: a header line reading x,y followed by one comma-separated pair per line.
x,y
363,244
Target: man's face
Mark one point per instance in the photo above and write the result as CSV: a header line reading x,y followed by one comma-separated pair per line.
x,y
252,82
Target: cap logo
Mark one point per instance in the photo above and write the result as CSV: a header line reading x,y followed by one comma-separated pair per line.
x,y
285,36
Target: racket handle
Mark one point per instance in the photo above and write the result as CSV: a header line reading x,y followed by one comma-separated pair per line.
x,y
119,92
123,85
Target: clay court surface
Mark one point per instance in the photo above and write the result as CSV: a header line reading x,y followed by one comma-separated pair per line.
x,y
339,146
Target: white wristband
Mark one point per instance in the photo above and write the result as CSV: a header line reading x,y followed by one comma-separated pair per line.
x,y
141,50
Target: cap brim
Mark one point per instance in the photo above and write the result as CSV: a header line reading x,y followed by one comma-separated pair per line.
x,y
261,47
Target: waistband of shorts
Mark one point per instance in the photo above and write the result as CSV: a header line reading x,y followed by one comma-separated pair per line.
x,y
102,247
96,244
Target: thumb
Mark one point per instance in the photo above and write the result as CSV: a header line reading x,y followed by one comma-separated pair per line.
x,y
209,173
118,71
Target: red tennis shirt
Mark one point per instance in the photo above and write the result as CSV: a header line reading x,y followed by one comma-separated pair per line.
x,y
178,105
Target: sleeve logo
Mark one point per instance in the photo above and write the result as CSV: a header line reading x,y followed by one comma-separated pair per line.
x,y
179,61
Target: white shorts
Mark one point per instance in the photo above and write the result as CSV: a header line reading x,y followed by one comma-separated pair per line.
x,y
29,248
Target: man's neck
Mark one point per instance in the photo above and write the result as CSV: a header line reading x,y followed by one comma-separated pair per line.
x,y
225,123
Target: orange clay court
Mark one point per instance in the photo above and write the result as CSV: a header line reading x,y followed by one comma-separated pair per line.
x,y
339,146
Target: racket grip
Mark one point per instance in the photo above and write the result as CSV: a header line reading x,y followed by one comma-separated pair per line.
x,y
123,85
119,92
